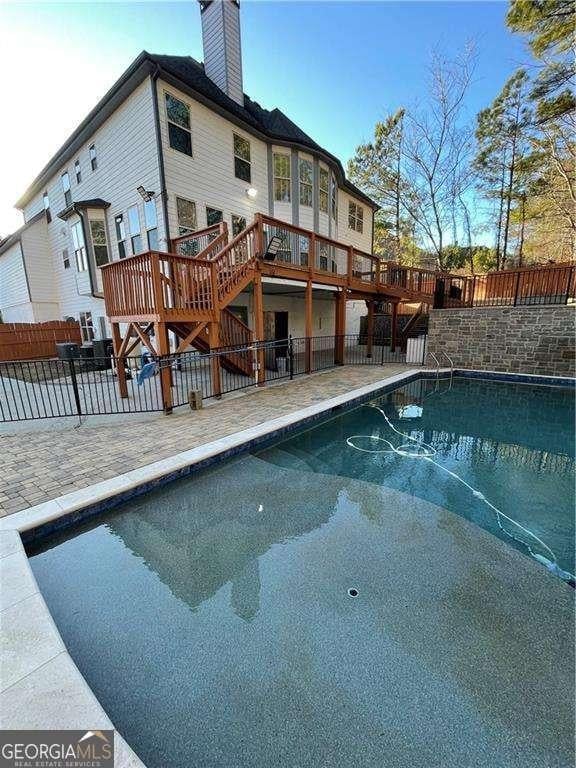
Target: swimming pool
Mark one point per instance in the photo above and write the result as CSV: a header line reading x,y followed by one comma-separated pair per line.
x,y
335,599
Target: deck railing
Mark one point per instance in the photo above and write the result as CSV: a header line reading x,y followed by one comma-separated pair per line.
x,y
318,256
365,268
129,287
154,283
194,242
232,265
186,285
177,286
550,284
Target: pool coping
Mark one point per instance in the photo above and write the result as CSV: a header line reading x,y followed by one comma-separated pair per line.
x,y
32,633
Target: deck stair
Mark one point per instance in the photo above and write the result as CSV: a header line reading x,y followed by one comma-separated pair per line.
x,y
416,326
189,290
233,333
176,286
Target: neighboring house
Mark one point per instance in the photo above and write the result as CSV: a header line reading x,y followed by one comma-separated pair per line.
x,y
28,292
173,147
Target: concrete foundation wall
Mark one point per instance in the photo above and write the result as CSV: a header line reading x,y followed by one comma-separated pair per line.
x,y
539,340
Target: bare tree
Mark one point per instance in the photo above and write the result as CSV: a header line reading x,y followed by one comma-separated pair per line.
x,y
436,152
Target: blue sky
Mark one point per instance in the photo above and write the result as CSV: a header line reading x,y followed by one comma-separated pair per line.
x,y
334,68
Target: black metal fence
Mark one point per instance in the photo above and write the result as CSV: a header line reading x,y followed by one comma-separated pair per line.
x,y
44,389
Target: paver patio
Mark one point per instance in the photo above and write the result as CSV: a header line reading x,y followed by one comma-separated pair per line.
x,y
38,466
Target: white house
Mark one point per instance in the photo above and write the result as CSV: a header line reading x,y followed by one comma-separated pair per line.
x,y
173,147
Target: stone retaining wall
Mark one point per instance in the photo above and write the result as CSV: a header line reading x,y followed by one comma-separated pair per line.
x,y
539,340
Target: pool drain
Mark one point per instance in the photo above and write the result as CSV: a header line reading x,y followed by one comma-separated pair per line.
x,y
353,592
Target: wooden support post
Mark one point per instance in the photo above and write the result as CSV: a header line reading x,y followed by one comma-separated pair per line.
x,y
120,359
258,311
340,327
311,255
259,244
308,328
370,328
214,342
394,330
163,346
350,264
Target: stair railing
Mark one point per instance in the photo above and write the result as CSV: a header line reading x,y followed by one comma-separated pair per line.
x,y
194,243
451,363
234,262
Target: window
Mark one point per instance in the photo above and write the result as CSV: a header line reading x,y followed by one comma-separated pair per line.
x,y
282,178
134,229
355,217
242,168
151,220
179,133
334,198
238,224
213,216
78,171
120,235
186,212
86,326
99,242
306,178
93,158
79,246
66,258
323,190
46,200
66,189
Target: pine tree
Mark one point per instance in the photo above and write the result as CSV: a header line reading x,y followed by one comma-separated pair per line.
x,y
550,26
376,168
503,135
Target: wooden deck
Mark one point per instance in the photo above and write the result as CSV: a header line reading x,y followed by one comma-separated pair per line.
x,y
188,290
195,283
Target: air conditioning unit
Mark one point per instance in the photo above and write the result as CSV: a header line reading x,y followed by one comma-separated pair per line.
x,y
67,350
103,351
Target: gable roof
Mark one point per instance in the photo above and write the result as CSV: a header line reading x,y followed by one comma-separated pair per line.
x,y
188,75
16,236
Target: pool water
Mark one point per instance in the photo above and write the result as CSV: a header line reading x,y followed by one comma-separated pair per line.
x,y
315,605
512,443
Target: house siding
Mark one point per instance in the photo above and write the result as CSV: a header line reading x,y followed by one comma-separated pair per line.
x,y
323,311
361,240
40,271
207,178
15,304
127,157
222,47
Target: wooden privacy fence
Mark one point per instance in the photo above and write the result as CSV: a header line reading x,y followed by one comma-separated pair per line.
x,y
23,341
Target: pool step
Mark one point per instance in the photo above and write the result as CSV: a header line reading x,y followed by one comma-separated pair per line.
x,y
292,458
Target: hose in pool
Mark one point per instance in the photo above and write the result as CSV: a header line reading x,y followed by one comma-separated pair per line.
x,y
426,452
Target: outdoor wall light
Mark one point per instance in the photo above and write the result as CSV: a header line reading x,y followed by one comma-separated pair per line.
x,y
252,193
145,194
273,248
